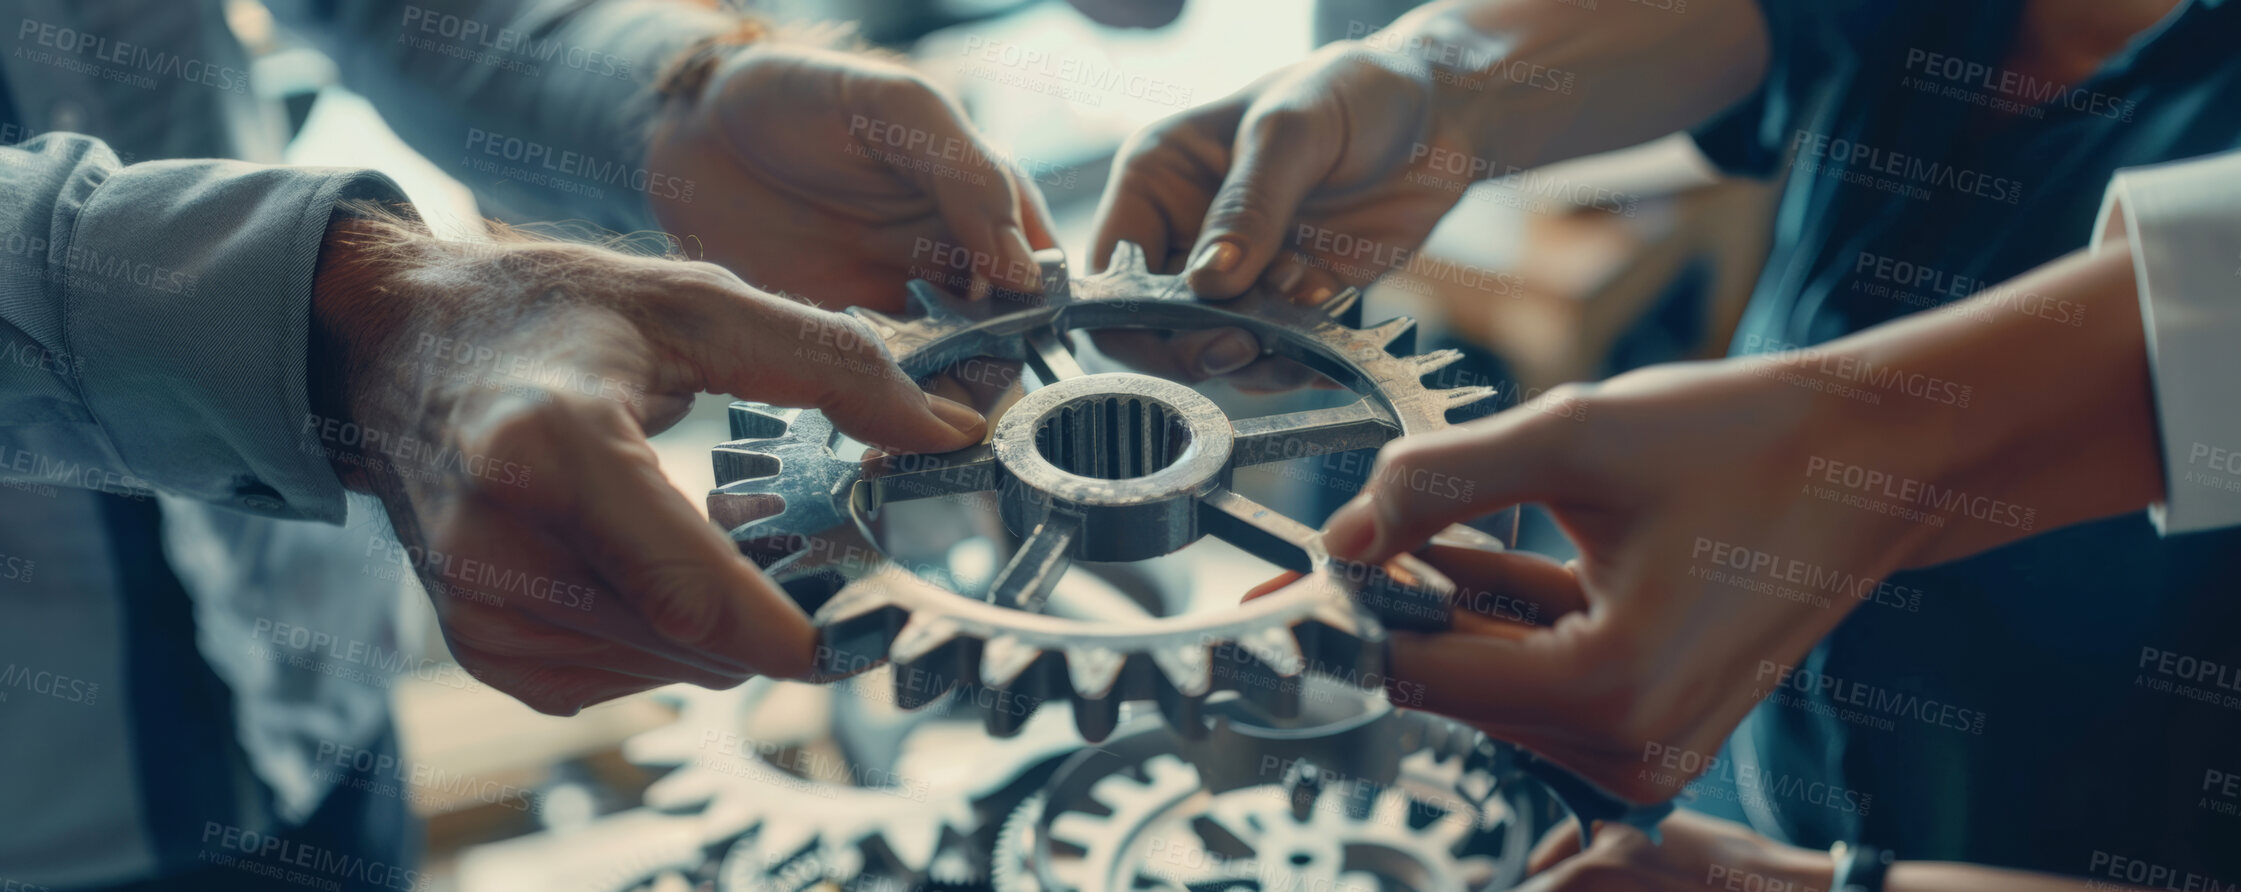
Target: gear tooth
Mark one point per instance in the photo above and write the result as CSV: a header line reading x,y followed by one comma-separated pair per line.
x,y
923,634
1079,830
736,463
1436,360
1341,302
852,602
1094,670
759,421
1391,331
1188,667
1004,658
732,506
1057,274
1096,718
914,850
926,296
1459,397
1275,647
935,304
1128,257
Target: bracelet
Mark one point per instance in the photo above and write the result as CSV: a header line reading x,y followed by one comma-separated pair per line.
x,y
1859,868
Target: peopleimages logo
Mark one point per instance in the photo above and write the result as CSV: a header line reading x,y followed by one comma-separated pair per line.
x,y
2028,91
2152,875
1929,711
1910,491
276,854
1856,158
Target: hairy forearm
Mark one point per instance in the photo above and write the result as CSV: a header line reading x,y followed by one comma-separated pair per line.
x,y
2033,394
1535,82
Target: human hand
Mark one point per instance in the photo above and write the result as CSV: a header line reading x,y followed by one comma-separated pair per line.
x,y
1681,486
1299,183
498,397
1694,852
838,177
1728,515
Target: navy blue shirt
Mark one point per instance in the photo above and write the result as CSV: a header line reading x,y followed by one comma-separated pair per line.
x,y
2067,703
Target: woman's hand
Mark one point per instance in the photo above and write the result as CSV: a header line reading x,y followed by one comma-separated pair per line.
x,y
1695,853
1301,183
1728,515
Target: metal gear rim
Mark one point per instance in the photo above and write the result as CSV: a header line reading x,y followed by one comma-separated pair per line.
x,y
1141,777
781,486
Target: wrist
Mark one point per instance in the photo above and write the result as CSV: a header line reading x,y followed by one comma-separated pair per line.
x,y
1755,862
359,314
1989,413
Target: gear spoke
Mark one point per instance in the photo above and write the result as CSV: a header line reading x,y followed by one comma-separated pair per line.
x,y
1269,438
1265,532
902,478
1026,581
1141,465
1053,356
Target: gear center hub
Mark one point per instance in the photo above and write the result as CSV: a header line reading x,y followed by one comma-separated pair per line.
x,y
1125,456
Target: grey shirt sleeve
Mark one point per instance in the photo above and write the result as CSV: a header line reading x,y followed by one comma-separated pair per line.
x,y
542,107
155,320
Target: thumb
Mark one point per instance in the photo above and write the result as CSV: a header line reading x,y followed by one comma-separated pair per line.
x,y
989,210
868,397
761,347
1421,484
1280,155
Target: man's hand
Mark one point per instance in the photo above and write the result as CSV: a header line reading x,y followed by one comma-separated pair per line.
x,y
1300,183
837,178
498,398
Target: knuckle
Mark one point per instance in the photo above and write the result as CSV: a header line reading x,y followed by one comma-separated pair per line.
x,y
715,272
1238,207
1282,125
517,428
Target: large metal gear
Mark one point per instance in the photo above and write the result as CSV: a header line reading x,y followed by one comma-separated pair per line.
x,y
1433,808
780,830
1104,467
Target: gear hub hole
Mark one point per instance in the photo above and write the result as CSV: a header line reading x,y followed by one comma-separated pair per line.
x,y
1112,437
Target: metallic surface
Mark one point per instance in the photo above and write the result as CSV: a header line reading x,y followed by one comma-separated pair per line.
x,y
745,784
1429,813
1092,467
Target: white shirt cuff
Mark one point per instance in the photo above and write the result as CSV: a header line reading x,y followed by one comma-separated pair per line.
x,y
2183,222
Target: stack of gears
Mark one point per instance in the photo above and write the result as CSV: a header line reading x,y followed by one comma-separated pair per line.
x,y
1129,746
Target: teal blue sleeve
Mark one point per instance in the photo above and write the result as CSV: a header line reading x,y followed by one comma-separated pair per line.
x,y
155,320
542,107
1811,43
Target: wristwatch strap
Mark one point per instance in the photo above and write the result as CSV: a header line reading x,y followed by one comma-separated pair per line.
x,y
1859,868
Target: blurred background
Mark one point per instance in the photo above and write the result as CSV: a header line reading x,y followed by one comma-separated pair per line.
x,y
1606,264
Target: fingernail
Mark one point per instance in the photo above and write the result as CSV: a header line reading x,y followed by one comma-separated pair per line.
x,y
1218,257
1288,273
1229,353
1320,296
1352,529
960,417
1025,273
